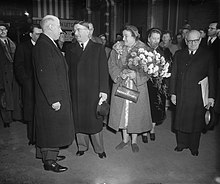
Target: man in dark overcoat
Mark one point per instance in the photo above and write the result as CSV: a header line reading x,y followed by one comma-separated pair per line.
x,y
53,114
10,106
191,65
212,42
89,86
23,67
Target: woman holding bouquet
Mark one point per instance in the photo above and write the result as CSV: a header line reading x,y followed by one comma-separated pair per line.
x,y
130,117
157,96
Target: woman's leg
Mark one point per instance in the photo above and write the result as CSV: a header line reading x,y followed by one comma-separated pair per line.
x,y
134,145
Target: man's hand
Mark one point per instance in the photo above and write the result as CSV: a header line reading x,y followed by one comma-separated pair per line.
x,y
211,103
103,97
56,106
173,99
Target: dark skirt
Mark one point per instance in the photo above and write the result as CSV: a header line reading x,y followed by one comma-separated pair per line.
x,y
157,103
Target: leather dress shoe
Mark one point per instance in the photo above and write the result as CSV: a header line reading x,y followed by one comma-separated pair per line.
x,y
53,166
144,139
80,153
102,155
152,136
195,153
60,158
178,149
6,125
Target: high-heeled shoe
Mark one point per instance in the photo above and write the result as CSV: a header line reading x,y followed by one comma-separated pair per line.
x,y
134,147
152,136
144,139
102,155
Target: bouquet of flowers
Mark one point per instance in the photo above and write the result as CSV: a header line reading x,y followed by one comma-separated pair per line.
x,y
151,64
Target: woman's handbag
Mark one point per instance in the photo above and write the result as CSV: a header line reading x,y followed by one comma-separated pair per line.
x,y
127,93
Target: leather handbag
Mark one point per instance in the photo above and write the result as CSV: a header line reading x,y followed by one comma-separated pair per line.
x,y
127,93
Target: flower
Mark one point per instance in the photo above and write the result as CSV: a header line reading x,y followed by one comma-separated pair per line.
x,y
151,64
118,47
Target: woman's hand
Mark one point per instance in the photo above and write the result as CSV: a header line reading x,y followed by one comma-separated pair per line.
x,y
128,73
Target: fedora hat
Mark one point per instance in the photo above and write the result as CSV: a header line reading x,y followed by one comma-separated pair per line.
x,y
102,110
207,117
7,25
210,118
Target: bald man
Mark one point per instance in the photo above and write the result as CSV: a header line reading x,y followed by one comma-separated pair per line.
x,y
53,114
191,65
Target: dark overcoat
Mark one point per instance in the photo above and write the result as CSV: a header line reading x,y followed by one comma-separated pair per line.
x,y
23,67
6,75
53,128
187,72
88,71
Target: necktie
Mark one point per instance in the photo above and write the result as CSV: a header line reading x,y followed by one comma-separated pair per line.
x,y
191,53
82,46
210,42
7,45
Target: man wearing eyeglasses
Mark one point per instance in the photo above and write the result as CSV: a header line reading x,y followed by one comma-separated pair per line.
x,y
191,65
9,89
88,72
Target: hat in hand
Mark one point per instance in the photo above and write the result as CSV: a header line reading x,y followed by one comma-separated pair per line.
x,y
103,109
210,118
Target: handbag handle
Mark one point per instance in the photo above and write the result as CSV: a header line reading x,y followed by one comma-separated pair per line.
x,y
124,81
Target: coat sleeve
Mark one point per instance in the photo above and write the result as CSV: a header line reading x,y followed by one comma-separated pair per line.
x,y
103,71
212,76
114,69
173,77
46,73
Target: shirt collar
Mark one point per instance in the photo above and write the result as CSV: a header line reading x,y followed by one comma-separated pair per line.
x,y
84,43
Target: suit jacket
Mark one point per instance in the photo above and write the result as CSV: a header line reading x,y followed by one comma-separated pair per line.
x,y
88,71
186,73
53,128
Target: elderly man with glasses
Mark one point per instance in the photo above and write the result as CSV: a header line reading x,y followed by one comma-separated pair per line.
x,y
191,66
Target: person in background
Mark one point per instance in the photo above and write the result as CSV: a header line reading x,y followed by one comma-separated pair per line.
x,y
9,88
53,108
167,42
178,40
104,42
157,97
24,73
89,87
212,42
185,29
191,65
203,32
60,41
131,118
94,38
